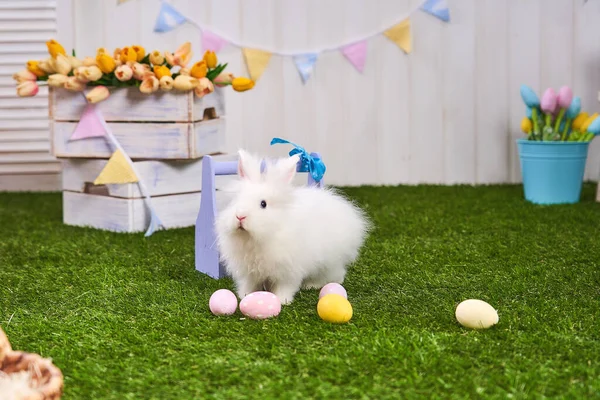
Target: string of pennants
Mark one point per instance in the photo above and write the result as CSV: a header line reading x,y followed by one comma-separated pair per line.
x,y
257,60
120,168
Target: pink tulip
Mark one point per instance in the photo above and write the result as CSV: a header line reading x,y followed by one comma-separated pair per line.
x,y
549,100
565,97
27,89
24,76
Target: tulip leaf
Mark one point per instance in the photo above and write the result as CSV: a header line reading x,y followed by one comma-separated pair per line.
x,y
213,73
146,60
73,52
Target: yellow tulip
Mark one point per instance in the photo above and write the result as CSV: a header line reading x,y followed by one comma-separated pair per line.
x,y
588,121
210,58
161,70
92,73
199,70
140,51
89,61
101,50
97,94
526,125
242,84
74,61
35,68
117,53
128,54
57,80
74,85
184,71
579,120
156,58
48,66
55,48
106,63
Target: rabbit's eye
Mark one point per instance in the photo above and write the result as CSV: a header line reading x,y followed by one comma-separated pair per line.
x,y
263,204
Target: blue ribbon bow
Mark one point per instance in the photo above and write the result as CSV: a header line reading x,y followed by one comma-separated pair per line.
x,y
308,163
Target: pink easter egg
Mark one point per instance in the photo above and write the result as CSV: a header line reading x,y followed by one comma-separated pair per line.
x,y
260,305
222,302
333,287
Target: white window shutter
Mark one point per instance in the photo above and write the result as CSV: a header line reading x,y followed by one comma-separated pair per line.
x,y
25,160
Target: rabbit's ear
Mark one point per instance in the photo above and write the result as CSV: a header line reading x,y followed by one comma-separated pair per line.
x,y
285,169
248,166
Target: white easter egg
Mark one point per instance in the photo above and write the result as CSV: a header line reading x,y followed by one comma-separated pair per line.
x,y
260,305
223,302
333,288
476,314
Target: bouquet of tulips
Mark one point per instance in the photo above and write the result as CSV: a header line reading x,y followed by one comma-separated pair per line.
x,y
127,67
557,117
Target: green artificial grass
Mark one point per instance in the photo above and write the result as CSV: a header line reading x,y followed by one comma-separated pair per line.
x,y
126,317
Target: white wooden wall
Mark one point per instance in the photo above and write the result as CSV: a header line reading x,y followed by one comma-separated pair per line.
x,y
25,162
447,113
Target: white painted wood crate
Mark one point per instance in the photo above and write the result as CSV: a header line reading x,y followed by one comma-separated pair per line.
x,y
175,188
166,134
162,125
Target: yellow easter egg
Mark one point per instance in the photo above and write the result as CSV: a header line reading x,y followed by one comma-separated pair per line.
x,y
334,308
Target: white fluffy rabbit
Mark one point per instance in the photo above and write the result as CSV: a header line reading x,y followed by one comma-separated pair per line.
x,y
280,237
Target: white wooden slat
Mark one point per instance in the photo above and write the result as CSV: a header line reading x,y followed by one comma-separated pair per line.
x,y
586,40
8,103
259,26
19,60
89,26
26,157
18,125
24,146
26,114
28,26
29,168
31,182
39,36
27,14
458,100
359,135
27,4
393,111
427,141
150,39
524,20
12,47
556,36
221,18
124,26
491,87
24,136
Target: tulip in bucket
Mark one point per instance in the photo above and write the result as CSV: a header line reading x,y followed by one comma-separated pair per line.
x,y
554,155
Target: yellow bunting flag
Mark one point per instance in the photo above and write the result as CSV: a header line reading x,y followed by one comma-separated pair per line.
x,y
116,170
256,61
401,35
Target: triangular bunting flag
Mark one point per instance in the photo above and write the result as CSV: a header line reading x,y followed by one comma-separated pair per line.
x,y
356,53
121,1
400,34
116,170
168,18
256,61
212,42
89,125
305,64
437,8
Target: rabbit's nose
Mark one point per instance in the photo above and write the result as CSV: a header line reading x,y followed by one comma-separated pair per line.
x,y
240,218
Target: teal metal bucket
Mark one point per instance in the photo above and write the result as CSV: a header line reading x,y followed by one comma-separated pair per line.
x,y
552,171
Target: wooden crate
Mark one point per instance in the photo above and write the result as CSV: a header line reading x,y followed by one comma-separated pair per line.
x,y
163,125
175,187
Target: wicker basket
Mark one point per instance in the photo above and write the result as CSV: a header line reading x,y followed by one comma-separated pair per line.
x,y
45,380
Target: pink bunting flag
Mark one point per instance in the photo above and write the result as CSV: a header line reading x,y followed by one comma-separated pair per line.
x,y
356,53
89,124
210,41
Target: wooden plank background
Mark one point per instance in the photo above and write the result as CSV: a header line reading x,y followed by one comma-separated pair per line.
x,y
447,113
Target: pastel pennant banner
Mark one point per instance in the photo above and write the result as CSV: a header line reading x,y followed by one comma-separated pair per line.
x,y
213,42
89,125
117,170
168,18
305,64
401,35
256,61
119,2
356,53
437,8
